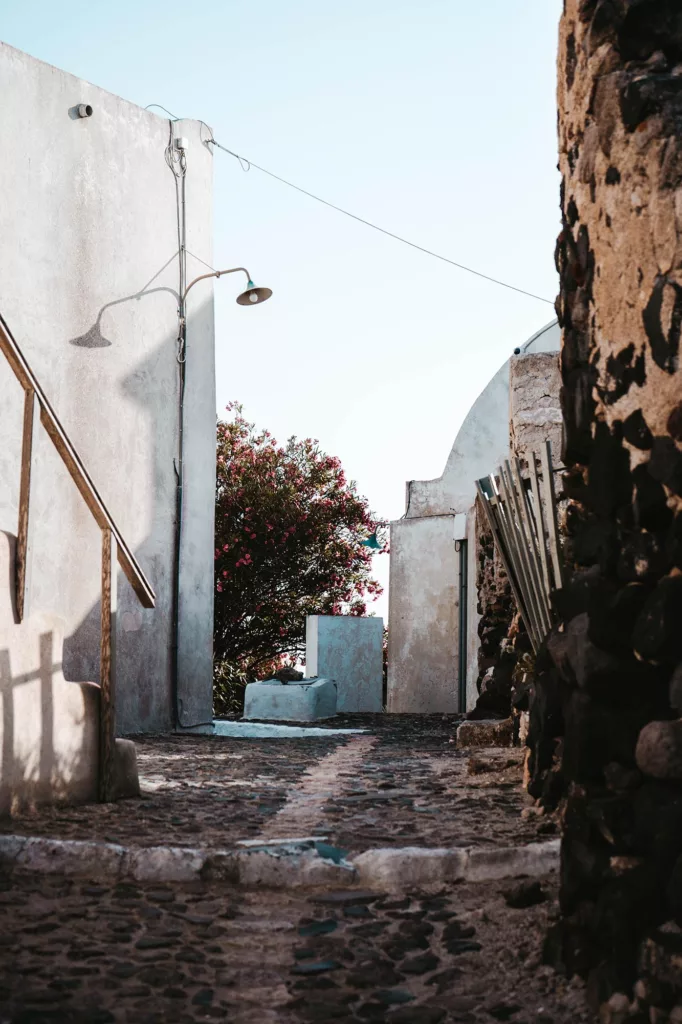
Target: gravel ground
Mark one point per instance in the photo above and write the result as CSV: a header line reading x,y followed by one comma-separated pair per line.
x,y
403,784
74,952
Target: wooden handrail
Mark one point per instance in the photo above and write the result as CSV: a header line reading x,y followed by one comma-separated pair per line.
x,y
114,547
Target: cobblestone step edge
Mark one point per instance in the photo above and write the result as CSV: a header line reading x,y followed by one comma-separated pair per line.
x,y
276,864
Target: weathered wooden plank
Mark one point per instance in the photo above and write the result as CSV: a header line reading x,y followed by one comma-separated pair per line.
x,y
552,525
80,477
528,527
540,522
107,707
506,531
26,522
512,535
75,467
505,558
508,496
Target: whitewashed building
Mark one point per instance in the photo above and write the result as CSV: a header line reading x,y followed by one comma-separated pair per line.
x,y
432,594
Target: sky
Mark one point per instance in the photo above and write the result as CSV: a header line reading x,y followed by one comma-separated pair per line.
x,y
435,119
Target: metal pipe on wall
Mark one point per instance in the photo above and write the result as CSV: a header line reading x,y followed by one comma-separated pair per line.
x,y
461,546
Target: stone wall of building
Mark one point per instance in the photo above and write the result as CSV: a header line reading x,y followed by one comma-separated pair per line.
x,y
534,404
616,660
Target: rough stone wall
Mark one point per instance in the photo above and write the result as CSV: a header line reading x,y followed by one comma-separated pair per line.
x,y
534,404
496,658
618,655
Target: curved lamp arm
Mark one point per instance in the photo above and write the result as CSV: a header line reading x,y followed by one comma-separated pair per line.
x,y
218,273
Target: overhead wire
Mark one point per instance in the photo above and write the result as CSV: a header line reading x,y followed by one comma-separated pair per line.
x,y
370,224
247,164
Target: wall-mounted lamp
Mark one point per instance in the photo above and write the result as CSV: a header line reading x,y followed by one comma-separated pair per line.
x,y
251,296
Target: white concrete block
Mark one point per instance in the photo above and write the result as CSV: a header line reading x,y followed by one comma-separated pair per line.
x,y
305,700
348,649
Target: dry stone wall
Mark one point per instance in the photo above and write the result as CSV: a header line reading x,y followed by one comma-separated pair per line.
x,y
496,658
614,664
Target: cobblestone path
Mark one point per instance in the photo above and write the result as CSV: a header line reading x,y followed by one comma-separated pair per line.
x,y
80,953
408,787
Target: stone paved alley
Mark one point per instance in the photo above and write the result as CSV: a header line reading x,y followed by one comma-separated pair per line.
x,y
81,950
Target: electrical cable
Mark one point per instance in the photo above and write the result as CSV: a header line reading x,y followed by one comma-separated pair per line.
x,y
165,109
384,231
246,165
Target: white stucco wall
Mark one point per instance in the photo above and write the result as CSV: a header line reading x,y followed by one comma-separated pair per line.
x,y
88,286
424,609
349,650
481,442
424,574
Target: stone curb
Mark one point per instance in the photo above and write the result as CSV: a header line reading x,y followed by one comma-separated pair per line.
x,y
276,864
412,865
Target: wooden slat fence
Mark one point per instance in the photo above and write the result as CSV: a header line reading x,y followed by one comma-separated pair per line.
x,y
522,515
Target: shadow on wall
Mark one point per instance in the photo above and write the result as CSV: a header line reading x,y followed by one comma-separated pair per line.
x,y
123,420
146,473
93,338
48,726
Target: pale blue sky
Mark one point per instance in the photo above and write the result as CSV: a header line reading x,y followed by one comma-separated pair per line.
x,y
434,118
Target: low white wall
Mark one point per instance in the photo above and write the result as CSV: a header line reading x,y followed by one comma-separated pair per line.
x,y
49,738
348,650
424,603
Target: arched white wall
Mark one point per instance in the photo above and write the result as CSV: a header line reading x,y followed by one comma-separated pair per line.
x,y
423,646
